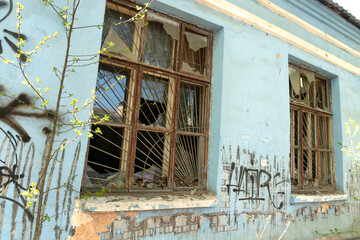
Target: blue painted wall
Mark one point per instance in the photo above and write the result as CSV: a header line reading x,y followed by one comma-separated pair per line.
x,y
38,22
249,119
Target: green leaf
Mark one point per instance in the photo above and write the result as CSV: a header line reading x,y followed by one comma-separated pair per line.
x,y
98,130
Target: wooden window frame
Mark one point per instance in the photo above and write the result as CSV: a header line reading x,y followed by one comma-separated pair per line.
x,y
302,109
178,76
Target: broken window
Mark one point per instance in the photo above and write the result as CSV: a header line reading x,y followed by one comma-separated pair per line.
x,y
195,53
157,135
311,131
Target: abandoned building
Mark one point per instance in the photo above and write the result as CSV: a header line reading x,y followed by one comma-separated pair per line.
x,y
225,120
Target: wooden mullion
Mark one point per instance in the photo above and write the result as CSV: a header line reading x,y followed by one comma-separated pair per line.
x,y
117,5
154,129
85,165
174,135
143,39
134,126
331,147
329,94
318,148
198,30
181,48
301,163
206,76
207,134
308,130
121,62
209,55
296,105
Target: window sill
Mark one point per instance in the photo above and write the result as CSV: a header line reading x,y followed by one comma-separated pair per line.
x,y
143,203
309,198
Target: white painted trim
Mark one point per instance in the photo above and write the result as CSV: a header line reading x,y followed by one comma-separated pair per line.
x,y
240,14
307,26
328,17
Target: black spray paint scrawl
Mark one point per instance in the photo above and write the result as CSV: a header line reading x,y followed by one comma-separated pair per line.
x,y
8,177
6,8
14,109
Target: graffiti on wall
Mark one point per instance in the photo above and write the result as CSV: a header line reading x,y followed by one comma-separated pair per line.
x,y
9,171
252,180
10,175
248,181
18,166
6,7
17,108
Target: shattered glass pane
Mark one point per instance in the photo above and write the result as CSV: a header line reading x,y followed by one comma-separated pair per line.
x,y
161,41
309,130
189,161
294,156
304,89
154,102
122,35
310,169
191,113
107,159
302,86
195,53
321,95
326,178
294,77
324,132
151,159
295,129
112,94
108,148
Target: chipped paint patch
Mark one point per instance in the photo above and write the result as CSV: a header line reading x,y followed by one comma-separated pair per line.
x,y
87,225
79,218
324,207
132,215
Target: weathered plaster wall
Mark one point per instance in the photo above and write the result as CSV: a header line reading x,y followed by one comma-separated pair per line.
x,y
250,129
250,134
22,141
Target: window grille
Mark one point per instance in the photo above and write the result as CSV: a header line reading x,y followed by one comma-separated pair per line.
x,y
154,83
311,138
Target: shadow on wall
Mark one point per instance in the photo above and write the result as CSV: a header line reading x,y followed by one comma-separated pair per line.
x,y
6,7
20,166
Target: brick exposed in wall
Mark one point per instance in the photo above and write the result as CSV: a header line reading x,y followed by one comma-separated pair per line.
x,y
126,226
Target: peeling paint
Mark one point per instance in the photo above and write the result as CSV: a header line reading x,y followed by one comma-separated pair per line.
x,y
79,217
87,225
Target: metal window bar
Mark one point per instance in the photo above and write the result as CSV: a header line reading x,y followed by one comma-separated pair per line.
x,y
311,148
149,147
306,166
